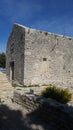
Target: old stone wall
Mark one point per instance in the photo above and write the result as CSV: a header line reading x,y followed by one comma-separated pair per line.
x,y
49,110
40,57
48,58
15,53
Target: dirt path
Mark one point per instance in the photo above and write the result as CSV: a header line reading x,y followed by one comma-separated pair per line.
x,y
12,115
6,90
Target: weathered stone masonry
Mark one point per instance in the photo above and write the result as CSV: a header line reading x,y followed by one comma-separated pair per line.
x,y
59,115
39,57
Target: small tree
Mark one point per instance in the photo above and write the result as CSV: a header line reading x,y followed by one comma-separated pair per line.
x,y
2,60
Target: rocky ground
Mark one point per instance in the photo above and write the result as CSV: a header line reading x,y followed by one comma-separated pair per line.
x,y
12,115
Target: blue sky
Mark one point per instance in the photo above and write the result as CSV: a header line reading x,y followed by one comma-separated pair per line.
x,y
54,16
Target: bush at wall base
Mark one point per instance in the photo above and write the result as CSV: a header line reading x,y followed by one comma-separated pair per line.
x,y
59,94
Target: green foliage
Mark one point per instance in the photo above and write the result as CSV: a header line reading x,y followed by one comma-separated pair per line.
x,y
23,86
60,95
2,60
13,84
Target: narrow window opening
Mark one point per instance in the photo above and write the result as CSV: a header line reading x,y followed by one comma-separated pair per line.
x,y
44,59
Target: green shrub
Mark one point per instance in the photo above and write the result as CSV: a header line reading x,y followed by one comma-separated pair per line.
x,y
13,84
60,95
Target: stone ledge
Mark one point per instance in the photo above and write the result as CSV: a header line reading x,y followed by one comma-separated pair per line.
x,y
48,109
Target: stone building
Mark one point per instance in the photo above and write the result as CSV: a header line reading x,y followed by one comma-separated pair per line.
x,y
37,57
